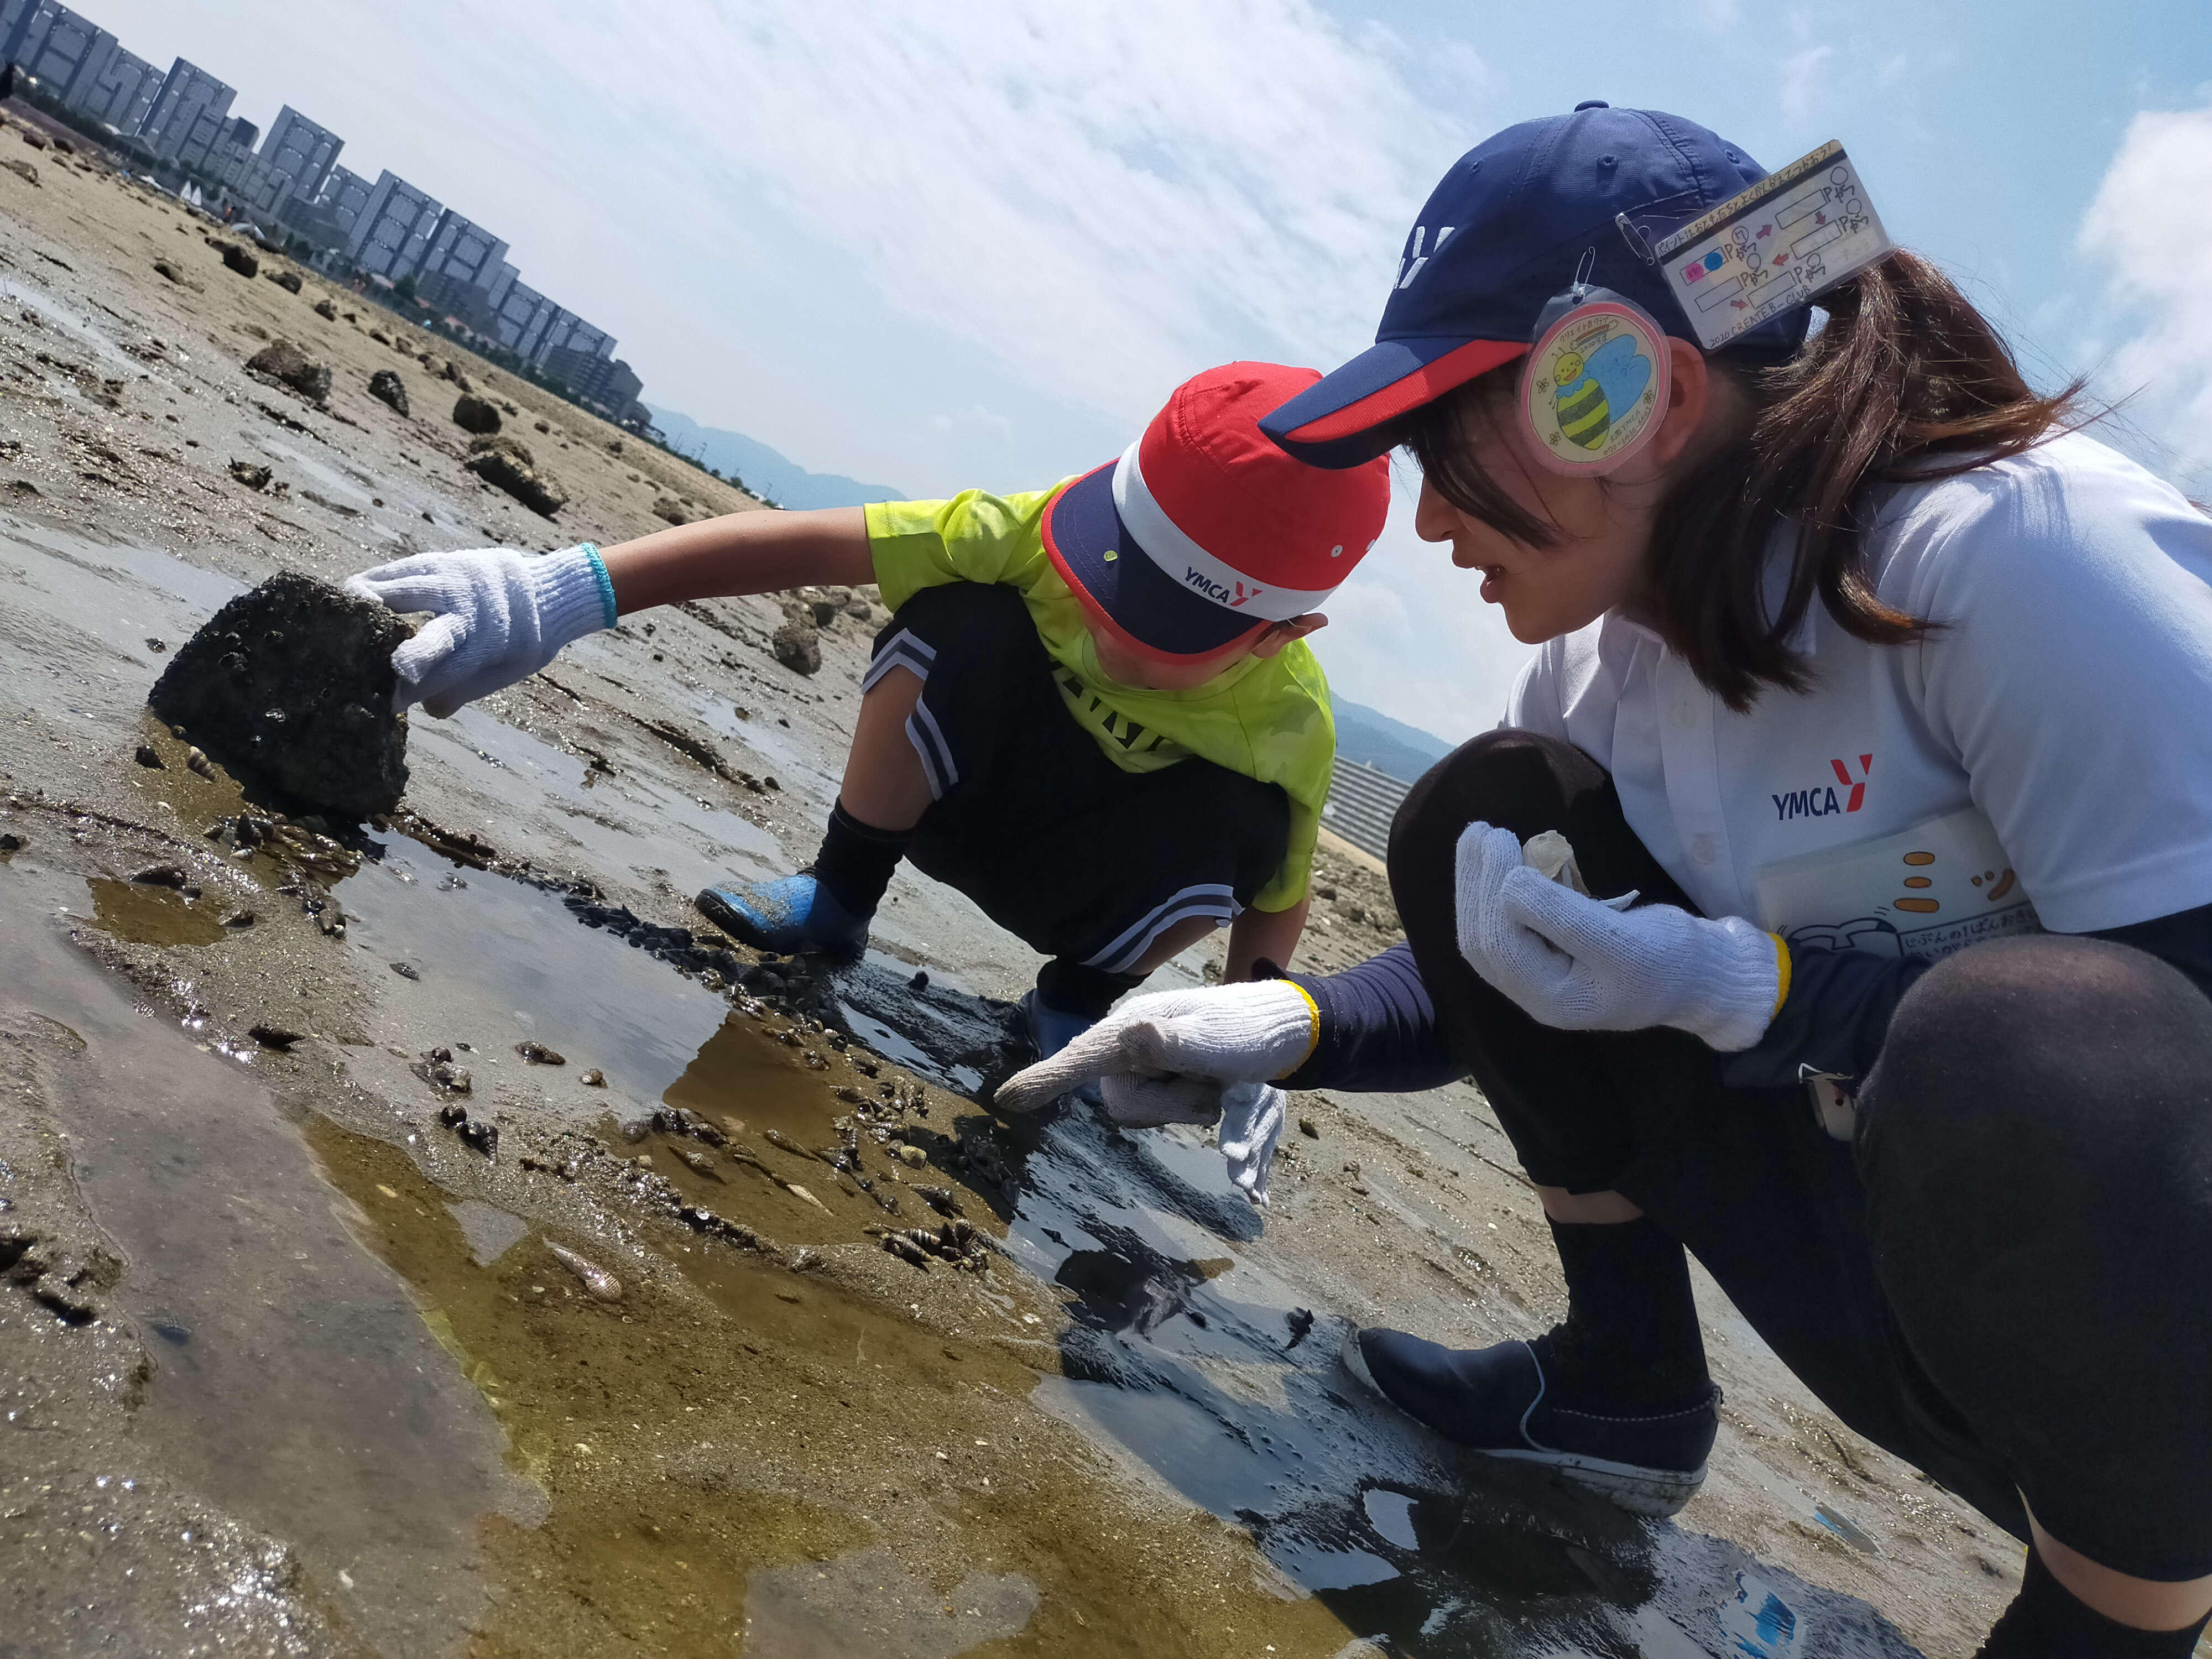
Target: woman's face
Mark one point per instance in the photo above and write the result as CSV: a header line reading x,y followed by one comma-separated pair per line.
x,y
1602,526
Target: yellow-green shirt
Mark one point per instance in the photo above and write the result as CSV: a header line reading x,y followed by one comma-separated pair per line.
x,y
1266,717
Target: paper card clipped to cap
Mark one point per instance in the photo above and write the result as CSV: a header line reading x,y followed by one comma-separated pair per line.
x,y
1773,247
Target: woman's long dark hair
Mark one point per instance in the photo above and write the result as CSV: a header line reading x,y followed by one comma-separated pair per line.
x,y
1906,380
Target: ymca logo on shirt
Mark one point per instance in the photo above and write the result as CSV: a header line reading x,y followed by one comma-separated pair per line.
x,y
1821,800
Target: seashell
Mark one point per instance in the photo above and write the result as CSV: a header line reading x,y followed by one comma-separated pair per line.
x,y
599,1284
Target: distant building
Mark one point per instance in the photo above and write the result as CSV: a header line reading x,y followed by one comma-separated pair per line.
x,y
327,222
295,160
119,91
516,315
230,158
187,117
464,250
394,228
465,303
592,378
59,49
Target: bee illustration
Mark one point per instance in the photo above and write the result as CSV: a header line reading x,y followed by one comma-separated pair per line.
x,y
1595,391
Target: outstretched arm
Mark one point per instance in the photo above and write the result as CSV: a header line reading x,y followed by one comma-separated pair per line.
x,y
741,553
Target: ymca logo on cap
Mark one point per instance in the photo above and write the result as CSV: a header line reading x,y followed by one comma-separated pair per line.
x,y
1203,530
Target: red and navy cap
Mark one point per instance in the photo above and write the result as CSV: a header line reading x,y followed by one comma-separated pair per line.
x,y
1505,231
1205,532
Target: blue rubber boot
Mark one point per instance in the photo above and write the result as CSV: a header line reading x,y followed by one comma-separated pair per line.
x,y
789,916
1050,1030
1492,1400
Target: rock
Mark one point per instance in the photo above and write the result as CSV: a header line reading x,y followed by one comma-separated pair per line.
x,y
1306,1128
163,267
275,1036
538,1055
594,1079
11,843
797,645
472,414
161,875
288,280
240,260
506,463
285,364
23,170
671,509
35,139
289,686
148,758
542,427
251,474
326,311
386,387
406,970
451,371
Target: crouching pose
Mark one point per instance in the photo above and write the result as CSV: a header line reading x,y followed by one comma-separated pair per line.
x,y
1875,706
1092,710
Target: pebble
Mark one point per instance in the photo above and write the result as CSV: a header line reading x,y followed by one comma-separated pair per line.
x,y
274,1036
147,757
594,1079
913,1157
538,1055
406,970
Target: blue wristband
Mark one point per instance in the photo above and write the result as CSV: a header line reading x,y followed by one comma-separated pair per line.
x,y
606,583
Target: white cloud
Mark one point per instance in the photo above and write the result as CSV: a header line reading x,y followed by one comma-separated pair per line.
x,y
2147,232
1801,85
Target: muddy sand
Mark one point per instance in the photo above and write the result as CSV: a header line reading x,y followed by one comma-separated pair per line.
x,y
336,1317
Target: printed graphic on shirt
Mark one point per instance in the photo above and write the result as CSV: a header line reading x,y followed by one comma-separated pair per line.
x,y
1935,889
1096,714
1821,800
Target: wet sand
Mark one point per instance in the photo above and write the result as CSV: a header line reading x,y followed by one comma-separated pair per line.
x,y
289,1365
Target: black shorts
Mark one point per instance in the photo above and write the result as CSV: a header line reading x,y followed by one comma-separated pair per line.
x,y
1079,859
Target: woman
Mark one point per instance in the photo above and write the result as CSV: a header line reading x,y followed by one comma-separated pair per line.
x,y
1878,703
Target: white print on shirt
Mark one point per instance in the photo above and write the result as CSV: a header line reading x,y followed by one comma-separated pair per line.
x,y
1937,888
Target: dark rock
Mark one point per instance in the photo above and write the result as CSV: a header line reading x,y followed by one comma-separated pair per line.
x,y
319,658
23,170
156,645
161,875
386,385
285,364
148,758
253,475
671,509
325,310
275,1036
1306,1128
538,1055
451,371
163,267
240,260
406,970
288,280
473,414
11,843
797,645
507,464
34,138
919,983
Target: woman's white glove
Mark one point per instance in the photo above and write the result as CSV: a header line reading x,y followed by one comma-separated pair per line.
x,y
1576,964
1197,1057
499,616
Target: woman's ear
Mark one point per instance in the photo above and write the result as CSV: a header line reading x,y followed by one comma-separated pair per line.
x,y
1689,402
1276,636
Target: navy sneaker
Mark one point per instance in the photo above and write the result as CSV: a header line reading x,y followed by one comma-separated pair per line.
x,y
1492,1400
787,916
1050,1030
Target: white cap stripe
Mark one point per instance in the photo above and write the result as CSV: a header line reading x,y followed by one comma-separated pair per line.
x,y
1191,565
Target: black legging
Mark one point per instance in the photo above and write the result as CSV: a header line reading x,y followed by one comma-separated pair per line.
x,y
2006,1279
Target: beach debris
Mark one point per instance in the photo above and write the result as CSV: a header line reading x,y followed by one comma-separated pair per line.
x,y
593,1079
251,474
484,1136
281,363
797,645
1306,1127
507,464
289,684
599,1284
386,387
406,970
148,759
475,413
538,1055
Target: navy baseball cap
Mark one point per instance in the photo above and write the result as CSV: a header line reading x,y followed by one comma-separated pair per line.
x,y
1506,230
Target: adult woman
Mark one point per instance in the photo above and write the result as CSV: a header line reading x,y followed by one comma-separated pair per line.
x,y
1859,611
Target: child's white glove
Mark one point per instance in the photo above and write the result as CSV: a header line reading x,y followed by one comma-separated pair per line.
x,y
1252,1116
1575,964
1157,1054
501,616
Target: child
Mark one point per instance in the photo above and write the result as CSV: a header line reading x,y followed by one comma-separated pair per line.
x,y
1091,712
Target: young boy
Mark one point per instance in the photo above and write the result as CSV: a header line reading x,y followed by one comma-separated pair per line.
x,y
1092,711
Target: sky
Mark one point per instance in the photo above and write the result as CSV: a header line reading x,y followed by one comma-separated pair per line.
x,y
977,242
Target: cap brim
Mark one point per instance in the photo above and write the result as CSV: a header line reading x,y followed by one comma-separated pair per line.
x,y
1120,587
1349,417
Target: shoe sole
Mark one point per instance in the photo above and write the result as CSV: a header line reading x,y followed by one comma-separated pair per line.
x,y
1657,1493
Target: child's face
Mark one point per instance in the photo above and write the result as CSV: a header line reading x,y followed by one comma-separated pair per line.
x,y
1143,674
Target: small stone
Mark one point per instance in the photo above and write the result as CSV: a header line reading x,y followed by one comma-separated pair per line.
x,y
1306,1128
406,970
240,260
239,919
285,364
161,875
913,1157
325,310
148,758
474,414
163,267
593,1079
669,508
507,464
288,280
275,1036
919,983
386,387
798,647
10,842
538,1055
251,474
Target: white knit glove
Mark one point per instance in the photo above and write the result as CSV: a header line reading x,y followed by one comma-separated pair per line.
x,y
1252,1117
1157,1054
1575,964
501,616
